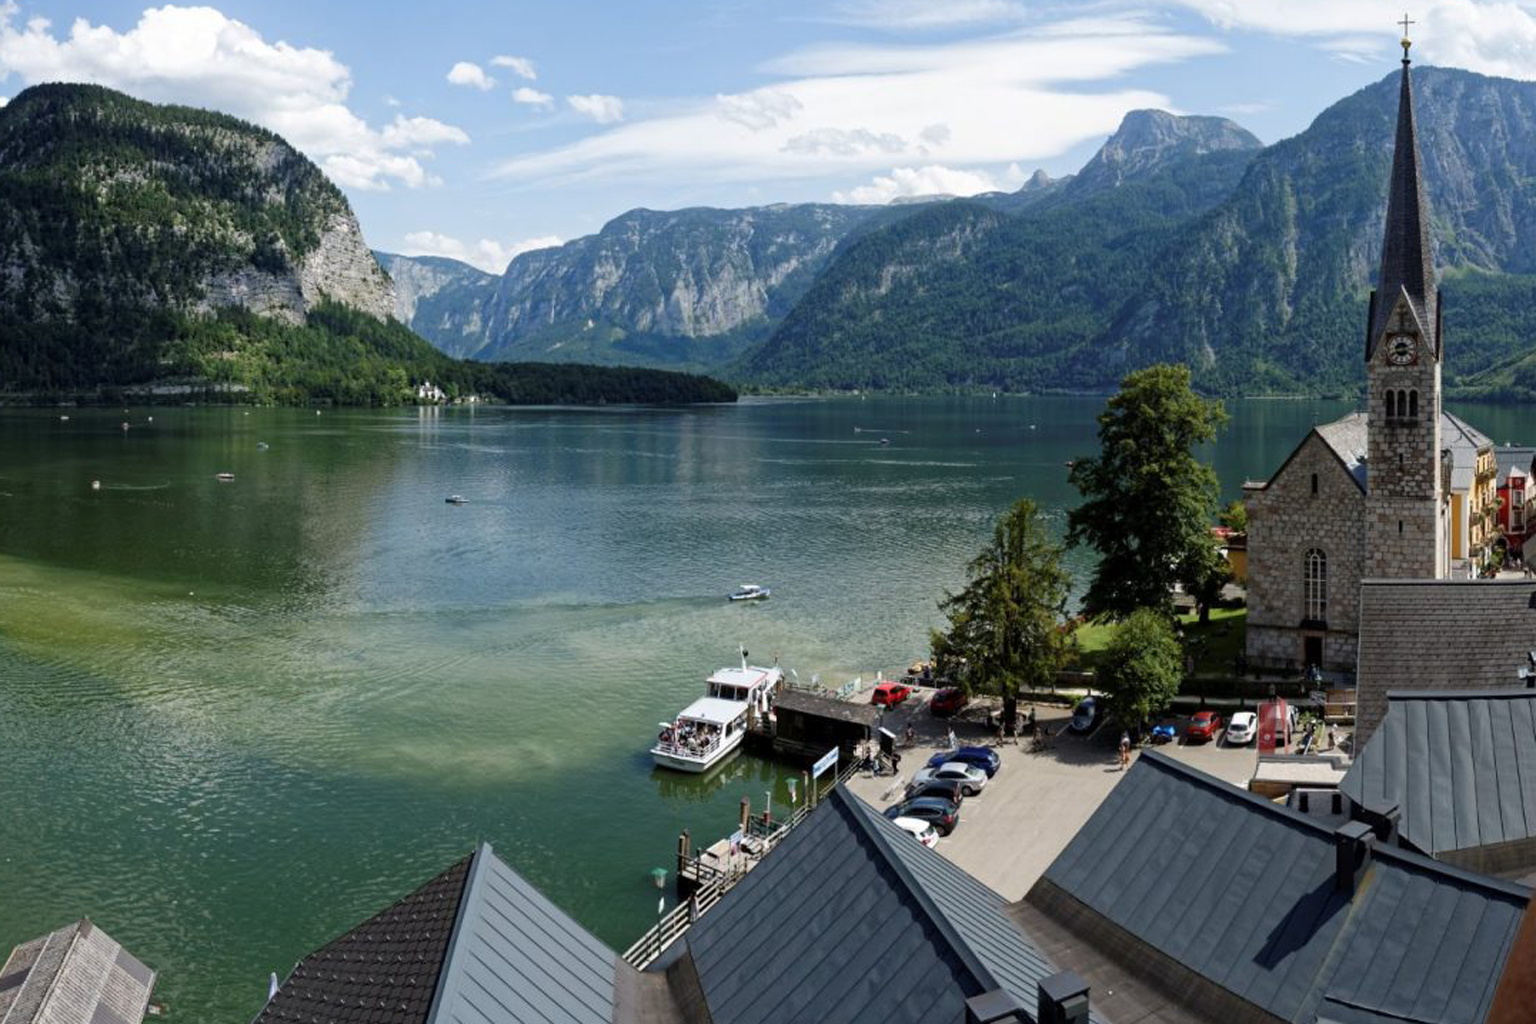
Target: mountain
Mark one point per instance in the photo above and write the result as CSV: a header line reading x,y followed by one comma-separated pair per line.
x,y
1181,241
164,249
686,287
441,299
974,294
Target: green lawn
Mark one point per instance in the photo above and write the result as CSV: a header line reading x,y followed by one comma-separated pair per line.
x,y
1214,644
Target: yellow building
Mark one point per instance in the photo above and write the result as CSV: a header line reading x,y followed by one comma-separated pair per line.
x,y
1469,472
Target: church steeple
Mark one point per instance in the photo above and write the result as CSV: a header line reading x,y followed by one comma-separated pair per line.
x,y
1407,253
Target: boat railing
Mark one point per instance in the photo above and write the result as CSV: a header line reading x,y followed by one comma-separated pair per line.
x,y
714,882
689,749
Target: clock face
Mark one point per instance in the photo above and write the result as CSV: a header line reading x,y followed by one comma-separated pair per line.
x,y
1400,349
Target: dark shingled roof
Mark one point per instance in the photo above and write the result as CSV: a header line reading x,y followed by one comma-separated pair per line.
x,y
1460,766
1240,892
827,707
1403,629
384,971
1407,253
850,920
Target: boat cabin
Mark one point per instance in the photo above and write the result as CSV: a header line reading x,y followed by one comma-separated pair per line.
x,y
742,684
703,726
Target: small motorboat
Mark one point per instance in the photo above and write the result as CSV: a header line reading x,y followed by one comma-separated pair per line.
x,y
262,446
749,592
224,478
884,441
456,499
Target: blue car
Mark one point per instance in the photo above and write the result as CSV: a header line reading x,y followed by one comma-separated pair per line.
x,y
982,757
1165,732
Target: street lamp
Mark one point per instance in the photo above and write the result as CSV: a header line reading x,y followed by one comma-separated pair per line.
x,y
659,876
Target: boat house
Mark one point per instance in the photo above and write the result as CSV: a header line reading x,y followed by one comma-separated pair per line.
x,y
75,975
807,725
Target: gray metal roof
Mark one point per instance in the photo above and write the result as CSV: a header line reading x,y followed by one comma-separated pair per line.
x,y
1513,457
827,707
851,920
516,958
1240,891
1349,440
75,975
1460,766
1403,626
1463,441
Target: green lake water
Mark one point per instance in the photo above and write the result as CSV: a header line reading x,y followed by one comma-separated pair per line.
x,y
237,718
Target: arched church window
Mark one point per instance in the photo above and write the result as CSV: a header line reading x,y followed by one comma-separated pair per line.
x,y
1402,402
1315,585
1413,405
1391,405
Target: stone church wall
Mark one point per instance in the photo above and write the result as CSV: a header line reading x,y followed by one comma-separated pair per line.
x,y
1285,521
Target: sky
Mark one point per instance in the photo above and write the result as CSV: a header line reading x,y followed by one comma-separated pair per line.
x,y
479,129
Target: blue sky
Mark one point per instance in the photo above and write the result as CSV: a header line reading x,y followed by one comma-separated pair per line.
x,y
479,129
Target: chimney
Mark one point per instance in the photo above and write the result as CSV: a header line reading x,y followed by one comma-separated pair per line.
x,y
995,1007
1352,844
1383,819
1063,999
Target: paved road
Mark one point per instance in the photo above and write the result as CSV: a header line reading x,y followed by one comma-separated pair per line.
x,y
1009,834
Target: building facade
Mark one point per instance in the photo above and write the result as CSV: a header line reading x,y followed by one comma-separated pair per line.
x,y
1515,489
1402,490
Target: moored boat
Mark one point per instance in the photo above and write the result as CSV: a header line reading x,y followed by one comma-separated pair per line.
x,y
749,592
710,730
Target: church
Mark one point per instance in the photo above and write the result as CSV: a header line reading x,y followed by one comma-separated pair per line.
x,y
1403,490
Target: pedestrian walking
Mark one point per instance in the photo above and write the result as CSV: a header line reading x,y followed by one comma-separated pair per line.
x,y
1125,750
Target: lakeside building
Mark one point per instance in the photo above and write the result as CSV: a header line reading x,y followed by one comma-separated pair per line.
x,y
847,919
1454,771
1440,635
75,975
1195,902
1516,488
1402,490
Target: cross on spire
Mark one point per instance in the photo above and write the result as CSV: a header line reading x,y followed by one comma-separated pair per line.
x,y
1406,41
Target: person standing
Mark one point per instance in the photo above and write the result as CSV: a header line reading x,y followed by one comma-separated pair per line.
x,y
1125,750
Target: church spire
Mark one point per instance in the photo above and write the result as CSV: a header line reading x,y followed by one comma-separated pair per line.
x,y
1407,253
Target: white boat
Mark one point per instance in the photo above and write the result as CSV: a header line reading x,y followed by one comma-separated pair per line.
x,y
710,730
456,499
749,592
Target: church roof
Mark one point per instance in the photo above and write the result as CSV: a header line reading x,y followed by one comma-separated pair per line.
x,y
1407,252
1349,440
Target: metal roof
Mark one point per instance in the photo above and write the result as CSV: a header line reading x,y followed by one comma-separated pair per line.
x,y
75,975
1240,892
852,920
1460,766
827,707
1403,626
1463,441
1512,457
713,709
516,958
1350,440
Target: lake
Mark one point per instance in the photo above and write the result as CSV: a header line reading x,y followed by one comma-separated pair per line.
x,y
237,718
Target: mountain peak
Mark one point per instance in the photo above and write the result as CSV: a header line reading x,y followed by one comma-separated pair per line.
x,y
1149,140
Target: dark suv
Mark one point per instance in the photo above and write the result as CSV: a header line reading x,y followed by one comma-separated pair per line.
x,y
938,812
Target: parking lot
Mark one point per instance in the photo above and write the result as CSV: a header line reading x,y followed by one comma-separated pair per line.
x,y
1010,833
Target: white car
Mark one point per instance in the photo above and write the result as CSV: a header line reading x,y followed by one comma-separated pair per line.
x,y
919,830
971,779
1241,728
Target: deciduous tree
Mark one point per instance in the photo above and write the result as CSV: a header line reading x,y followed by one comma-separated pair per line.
x,y
1141,668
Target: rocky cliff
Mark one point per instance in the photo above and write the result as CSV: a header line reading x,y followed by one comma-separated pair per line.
x,y
111,202
441,299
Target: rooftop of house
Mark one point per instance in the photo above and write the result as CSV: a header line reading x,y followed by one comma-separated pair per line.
x,y
827,707
75,974
1514,457
1208,903
1460,767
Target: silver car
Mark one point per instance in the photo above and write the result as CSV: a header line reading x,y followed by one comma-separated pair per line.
x,y
972,779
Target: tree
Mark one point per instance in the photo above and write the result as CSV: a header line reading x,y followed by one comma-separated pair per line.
x,y
1141,668
1235,517
1148,502
1204,576
1006,626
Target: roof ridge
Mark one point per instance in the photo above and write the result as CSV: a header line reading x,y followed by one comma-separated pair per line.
x,y
1487,693
1446,581
864,816
472,878
1409,859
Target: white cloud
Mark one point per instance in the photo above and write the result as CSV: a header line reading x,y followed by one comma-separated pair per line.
x,y
471,74
920,181
198,56
1495,37
926,14
415,132
1024,95
487,254
600,108
390,101
532,97
521,66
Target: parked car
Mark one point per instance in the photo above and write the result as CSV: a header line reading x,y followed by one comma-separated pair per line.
x,y
939,813
944,789
1242,728
948,701
1203,726
920,830
971,778
890,694
983,758
1165,732
1086,715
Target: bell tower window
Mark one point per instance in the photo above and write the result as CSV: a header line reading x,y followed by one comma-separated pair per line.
x,y
1413,405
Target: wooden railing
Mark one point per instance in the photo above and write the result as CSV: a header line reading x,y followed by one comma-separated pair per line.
x,y
715,883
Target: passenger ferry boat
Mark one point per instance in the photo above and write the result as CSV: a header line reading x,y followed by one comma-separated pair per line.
x,y
710,730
